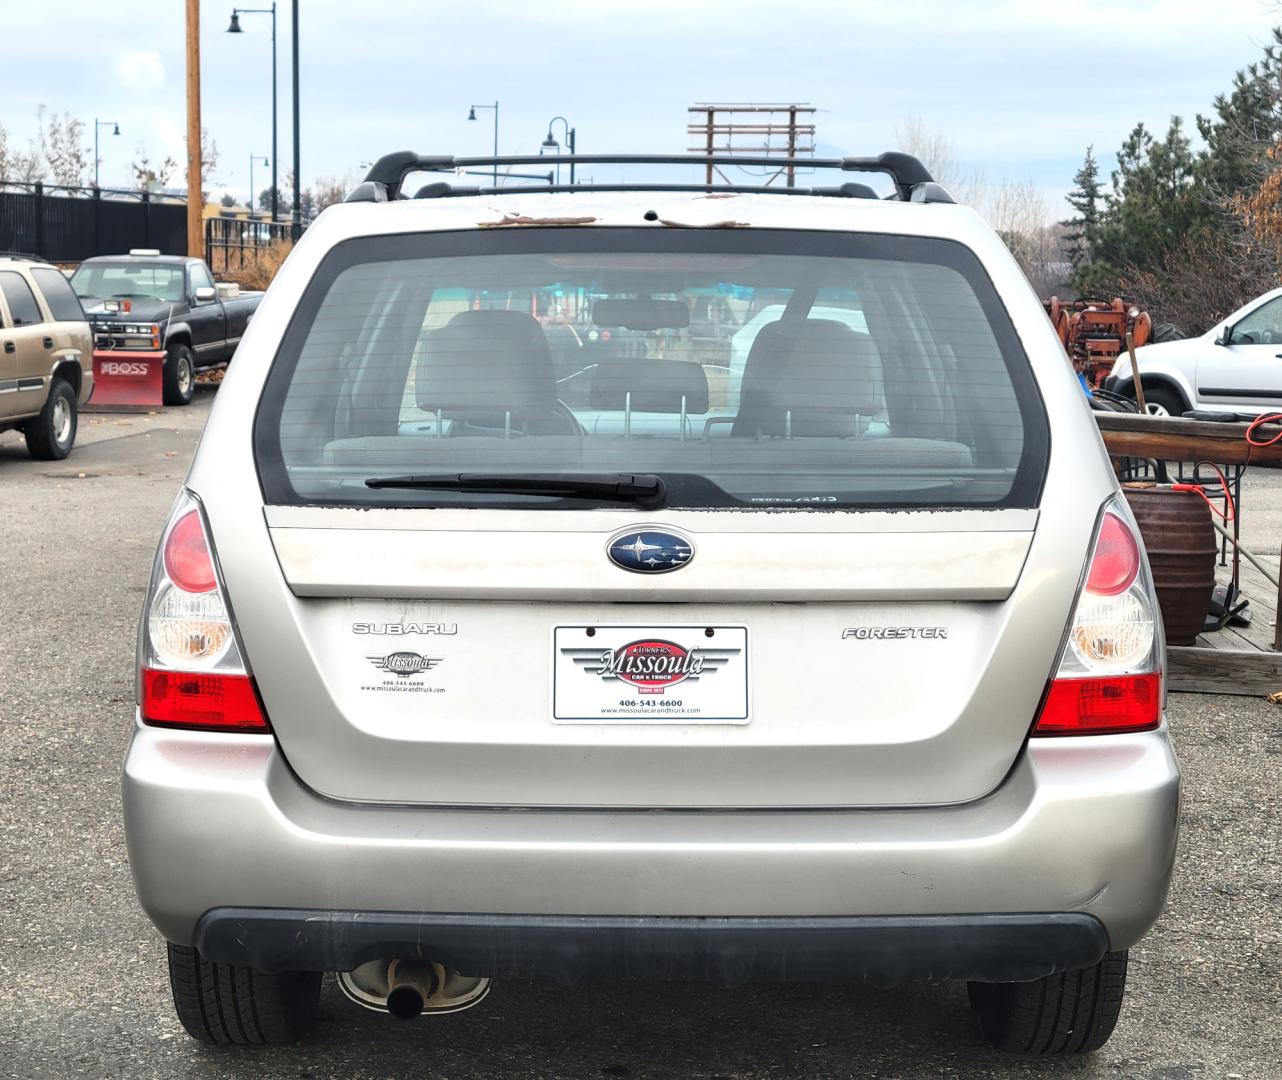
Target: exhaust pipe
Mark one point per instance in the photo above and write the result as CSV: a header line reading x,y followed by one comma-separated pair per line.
x,y
409,985
409,988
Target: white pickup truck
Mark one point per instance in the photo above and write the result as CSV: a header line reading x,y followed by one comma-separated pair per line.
x,y
1235,367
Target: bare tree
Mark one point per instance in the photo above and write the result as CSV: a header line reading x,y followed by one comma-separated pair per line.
x,y
151,175
332,189
70,160
1017,210
936,151
208,160
14,165
1205,277
307,201
17,167
1015,206
1019,213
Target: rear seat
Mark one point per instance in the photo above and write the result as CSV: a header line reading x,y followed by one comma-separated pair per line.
x,y
492,370
814,378
650,385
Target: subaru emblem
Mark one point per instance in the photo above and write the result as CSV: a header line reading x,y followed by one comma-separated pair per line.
x,y
649,551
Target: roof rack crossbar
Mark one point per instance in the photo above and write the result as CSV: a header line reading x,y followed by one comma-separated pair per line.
x,y
391,170
442,190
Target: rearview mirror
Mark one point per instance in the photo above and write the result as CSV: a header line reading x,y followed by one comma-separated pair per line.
x,y
641,314
1224,336
204,294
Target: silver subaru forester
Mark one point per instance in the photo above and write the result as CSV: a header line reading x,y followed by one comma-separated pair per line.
x,y
650,580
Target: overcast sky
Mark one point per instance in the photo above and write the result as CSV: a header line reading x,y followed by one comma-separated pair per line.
x,y
1020,87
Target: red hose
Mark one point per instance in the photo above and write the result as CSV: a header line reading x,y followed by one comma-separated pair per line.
x,y
1271,418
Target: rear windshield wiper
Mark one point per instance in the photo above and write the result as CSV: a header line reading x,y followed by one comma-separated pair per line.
x,y
644,489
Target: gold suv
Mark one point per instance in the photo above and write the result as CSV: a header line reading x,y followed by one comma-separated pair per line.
x,y
46,356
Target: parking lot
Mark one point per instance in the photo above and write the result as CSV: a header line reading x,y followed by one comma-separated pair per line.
x,y
83,990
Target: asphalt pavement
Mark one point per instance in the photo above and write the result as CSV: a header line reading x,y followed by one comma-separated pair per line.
x,y
83,989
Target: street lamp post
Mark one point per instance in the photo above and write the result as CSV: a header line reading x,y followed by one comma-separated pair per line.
x,y
252,195
471,115
551,144
97,124
234,28
296,227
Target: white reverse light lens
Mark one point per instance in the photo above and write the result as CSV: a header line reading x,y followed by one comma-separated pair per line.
x,y
1112,633
189,628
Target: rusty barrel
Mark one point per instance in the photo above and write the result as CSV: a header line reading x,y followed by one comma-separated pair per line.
x,y
1181,545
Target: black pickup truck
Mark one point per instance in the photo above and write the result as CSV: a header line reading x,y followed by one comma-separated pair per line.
x,y
147,301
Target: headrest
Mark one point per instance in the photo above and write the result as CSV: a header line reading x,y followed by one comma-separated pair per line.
x,y
486,360
655,385
829,367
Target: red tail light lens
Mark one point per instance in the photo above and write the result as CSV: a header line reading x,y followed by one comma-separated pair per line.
x,y
206,700
1117,559
187,559
1104,706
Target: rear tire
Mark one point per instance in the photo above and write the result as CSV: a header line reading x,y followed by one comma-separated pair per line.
x,y
180,375
51,435
224,1005
1071,1013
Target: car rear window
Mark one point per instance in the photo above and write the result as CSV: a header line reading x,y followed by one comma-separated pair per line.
x,y
748,369
63,303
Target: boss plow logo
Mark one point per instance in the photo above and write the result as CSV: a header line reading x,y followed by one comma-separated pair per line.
x,y
652,665
122,367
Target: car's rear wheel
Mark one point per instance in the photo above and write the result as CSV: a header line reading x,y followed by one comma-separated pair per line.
x,y
180,375
222,1004
1070,1013
51,435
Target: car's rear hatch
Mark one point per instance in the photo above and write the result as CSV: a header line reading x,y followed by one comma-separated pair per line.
x,y
861,610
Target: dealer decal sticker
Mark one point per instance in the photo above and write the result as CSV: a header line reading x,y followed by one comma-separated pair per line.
x,y
403,668
672,674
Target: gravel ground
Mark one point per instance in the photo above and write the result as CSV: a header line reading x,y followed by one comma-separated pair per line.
x,y
83,990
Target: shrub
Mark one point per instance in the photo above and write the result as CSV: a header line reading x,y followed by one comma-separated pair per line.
x,y
260,266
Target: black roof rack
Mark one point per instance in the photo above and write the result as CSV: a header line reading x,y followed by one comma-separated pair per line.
x,y
25,256
385,178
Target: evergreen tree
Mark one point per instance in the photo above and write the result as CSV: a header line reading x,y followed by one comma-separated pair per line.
x,y
1164,194
1158,199
1246,121
1087,200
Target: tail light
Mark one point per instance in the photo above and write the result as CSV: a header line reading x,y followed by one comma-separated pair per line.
x,y
1109,678
191,672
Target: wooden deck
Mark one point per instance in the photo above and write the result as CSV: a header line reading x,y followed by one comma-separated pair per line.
x,y
1236,659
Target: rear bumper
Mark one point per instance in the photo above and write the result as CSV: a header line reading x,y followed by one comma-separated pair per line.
x,y
886,950
1081,825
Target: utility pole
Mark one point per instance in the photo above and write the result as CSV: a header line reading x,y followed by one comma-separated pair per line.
x,y
792,144
786,129
195,199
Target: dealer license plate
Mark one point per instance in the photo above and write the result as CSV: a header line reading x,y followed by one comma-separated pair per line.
x,y
650,674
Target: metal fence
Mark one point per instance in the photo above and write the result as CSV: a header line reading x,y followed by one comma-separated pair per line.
x,y
231,242
68,224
